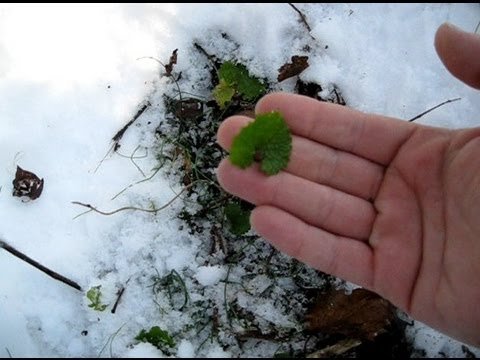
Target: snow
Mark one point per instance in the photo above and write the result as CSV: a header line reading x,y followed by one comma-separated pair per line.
x,y
186,350
144,350
210,275
71,76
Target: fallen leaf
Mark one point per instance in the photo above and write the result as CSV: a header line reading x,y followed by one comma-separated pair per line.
x,y
173,61
360,315
287,70
27,184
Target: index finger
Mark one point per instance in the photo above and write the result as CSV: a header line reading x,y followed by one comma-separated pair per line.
x,y
376,138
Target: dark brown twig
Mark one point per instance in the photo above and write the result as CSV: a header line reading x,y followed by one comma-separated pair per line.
x,y
119,296
120,293
303,19
433,108
118,136
39,266
212,58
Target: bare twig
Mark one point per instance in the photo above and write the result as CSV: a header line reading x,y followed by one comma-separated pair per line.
x,y
39,266
120,293
103,159
107,213
119,296
303,19
336,350
433,108
211,58
9,354
478,26
218,243
118,136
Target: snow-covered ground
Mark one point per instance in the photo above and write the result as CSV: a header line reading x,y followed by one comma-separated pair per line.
x,y
71,77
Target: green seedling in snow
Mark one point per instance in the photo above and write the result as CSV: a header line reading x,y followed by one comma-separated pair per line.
x,y
94,295
159,338
235,79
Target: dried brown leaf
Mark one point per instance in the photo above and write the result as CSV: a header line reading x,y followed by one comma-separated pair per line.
x,y
27,184
287,70
360,315
172,61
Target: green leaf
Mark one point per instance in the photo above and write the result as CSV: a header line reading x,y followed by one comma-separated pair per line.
x,y
94,295
223,93
230,72
238,218
266,139
239,79
250,87
157,337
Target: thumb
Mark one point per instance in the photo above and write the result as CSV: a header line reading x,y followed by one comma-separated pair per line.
x,y
460,53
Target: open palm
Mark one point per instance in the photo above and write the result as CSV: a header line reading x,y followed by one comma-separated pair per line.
x,y
386,204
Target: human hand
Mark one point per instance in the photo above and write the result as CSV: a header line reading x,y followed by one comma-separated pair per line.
x,y
389,205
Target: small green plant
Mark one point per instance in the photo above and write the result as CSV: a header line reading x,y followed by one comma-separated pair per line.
x,y
94,295
238,218
173,284
267,139
158,338
235,79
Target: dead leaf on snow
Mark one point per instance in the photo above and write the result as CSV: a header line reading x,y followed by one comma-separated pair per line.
x,y
173,61
287,70
27,184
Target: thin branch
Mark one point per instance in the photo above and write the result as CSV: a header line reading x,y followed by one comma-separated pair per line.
x,y
433,108
120,293
211,58
303,19
39,266
107,213
119,296
118,136
478,26
9,354
103,159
